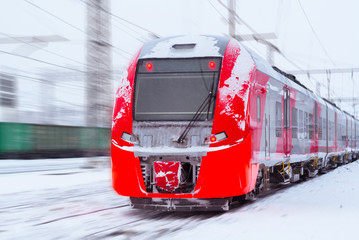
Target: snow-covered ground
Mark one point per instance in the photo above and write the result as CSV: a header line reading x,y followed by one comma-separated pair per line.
x,y
69,200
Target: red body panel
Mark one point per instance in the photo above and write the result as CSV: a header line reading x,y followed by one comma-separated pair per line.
x,y
258,89
236,176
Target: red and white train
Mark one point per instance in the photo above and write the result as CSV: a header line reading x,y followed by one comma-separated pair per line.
x,y
201,121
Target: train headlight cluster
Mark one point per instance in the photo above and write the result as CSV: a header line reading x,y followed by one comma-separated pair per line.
x,y
217,137
129,137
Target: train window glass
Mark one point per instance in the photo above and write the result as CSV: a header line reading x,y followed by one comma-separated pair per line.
x,y
184,65
344,137
336,126
301,125
174,90
324,132
294,123
258,108
320,130
278,119
306,127
310,126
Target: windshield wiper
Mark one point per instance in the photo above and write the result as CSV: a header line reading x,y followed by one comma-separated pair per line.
x,y
196,117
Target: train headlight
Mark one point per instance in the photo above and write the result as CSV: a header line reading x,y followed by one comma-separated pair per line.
x,y
129,137
217,137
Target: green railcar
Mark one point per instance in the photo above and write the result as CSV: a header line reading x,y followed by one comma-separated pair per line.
x,y
16,137
22,140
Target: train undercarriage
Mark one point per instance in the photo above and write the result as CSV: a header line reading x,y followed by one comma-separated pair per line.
x,y
269,178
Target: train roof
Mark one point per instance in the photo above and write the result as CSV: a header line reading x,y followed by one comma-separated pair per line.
x,y
273,71
185,46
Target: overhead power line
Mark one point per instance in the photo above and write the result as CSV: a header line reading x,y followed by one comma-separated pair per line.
x,y
124,20
33,39
40,48
71,25
324,71
315,33
58,18
218,11
239,19
41,61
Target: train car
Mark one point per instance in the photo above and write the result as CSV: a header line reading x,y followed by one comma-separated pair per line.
x,y
200,122
29,141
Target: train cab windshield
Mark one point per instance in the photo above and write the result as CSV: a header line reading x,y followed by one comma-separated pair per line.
x,y
176,89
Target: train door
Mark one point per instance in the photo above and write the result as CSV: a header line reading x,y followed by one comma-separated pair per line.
x,y
316,128
286,119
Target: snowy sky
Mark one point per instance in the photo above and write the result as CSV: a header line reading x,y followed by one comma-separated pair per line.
x,y
312,34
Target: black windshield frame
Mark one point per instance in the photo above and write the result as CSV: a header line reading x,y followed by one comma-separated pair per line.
x,y
175,84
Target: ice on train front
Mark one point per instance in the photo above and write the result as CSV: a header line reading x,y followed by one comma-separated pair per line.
x,y
180,136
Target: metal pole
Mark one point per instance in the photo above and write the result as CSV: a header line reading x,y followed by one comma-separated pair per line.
x,y
99,64
232,17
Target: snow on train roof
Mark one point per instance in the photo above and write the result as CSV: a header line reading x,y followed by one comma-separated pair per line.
x,y
185,46
262,65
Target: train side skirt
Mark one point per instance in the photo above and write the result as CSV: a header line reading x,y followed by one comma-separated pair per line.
x,y
182,204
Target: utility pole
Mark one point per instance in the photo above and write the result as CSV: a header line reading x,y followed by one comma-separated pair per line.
x,y
232,17
99,64
259,37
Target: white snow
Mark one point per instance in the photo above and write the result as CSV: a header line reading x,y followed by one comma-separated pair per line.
x,y
86,207
124,91
237,85
171,150
205,46
33,175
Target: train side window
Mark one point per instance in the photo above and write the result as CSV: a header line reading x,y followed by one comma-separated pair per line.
x,y
306,129
258,108
344,137
325,129
278,119
301,125
294,123
330,131
336,126
310,123
320,132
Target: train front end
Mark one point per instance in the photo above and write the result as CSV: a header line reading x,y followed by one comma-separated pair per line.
x,y
180,135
